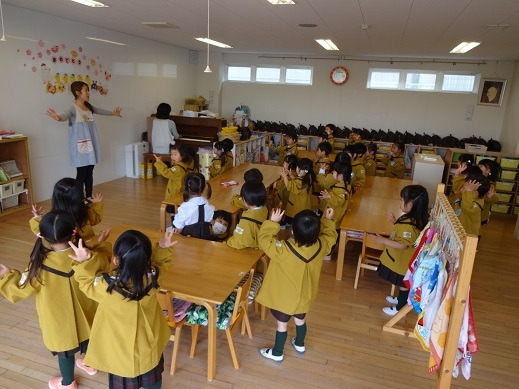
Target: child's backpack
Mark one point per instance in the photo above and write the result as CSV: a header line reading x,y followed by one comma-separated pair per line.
x,y
493,145
200,229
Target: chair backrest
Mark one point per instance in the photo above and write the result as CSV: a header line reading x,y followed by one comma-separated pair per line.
x,y
242,297
369,244
165,299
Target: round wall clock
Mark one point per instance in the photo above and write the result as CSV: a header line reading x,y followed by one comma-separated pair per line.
x,y
339,75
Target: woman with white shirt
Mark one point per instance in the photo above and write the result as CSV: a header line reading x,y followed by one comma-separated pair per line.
x,y
195,213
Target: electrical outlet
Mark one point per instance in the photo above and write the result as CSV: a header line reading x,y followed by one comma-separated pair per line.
x,y
469,112
211,95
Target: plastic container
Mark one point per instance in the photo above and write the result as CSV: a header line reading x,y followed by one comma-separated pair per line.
x,y
516,210
509,163
500,208
6,190
19,186
474,148
481,157
9,202
504,197
508,175
506,186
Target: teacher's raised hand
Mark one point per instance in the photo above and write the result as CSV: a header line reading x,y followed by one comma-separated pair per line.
x,y
50,112
117,112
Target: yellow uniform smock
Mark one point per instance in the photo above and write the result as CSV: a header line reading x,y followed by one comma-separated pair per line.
x,y
395,167
405,231
299,197
488,202
128,336
331,141
175,176
338,202
94,217
370,166
457,183
237,201
292,279
325,181
322,166
281,191
246,232
468,209
65,314
283,151
352,141
359,174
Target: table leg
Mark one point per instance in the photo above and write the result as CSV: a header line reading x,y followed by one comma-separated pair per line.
x,y
211,349
343,241
162,217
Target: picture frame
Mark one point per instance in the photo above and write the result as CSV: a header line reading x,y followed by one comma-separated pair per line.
x,y
492,92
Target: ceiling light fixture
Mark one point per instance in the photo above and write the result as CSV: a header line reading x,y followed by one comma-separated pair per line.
x,y
281,2
91,3
159,24
496,26
463,47
207,69
214,43
106,41
327,44
2,17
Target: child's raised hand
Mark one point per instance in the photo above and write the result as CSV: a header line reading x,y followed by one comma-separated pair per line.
x,y
377,239
81,254
117,112
491,192
4,270
391,217
166,241
325,195
329,213
97,198
157,158
283,172
103,235
37,210
50,112
277,215
471,185
461,168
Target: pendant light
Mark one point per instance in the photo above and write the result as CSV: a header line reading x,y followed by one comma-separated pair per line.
x,y
207,69
2,18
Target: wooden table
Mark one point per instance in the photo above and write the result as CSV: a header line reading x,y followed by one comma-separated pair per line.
x,y
221,196
203,272
368,212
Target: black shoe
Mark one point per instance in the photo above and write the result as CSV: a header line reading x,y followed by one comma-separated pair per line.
x,y
170,208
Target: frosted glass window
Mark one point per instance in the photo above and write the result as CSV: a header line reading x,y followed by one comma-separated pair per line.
x,y
169,70
238,73
458,83
420,81
268,74
146,69
383,79
301,76
123,69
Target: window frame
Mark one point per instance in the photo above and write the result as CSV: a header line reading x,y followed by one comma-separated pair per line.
x,y
282,75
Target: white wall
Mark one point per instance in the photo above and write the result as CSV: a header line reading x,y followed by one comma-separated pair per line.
x,y
23,101
354,105
510,133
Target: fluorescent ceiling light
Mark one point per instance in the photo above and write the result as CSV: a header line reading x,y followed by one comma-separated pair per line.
x,y
214,43
463,47
90,3
159,24
107,41
281,2
327,44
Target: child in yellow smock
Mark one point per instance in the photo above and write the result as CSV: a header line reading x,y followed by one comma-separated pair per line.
x,y
321,164
299,189
221,163
492,170
370,159
330,129
249,176
130,331
356,152
290,147
181,164
292,279
289,164
458,179
65,314
395,163
355,136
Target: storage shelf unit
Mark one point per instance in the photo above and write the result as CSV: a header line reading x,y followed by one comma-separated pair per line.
x,y
16,194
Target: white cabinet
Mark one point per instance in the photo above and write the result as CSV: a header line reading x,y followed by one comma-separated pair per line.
x,y
428,172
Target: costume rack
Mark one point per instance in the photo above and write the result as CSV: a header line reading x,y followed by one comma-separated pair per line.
x,y
442,213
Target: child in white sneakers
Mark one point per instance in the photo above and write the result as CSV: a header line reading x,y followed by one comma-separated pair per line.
x,y
65,314
292,279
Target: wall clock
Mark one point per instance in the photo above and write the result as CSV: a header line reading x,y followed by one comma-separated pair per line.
x,y
339,75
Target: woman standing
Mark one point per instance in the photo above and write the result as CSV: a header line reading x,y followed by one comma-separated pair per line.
x,y
83,140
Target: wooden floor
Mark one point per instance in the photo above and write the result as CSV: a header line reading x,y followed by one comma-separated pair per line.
x,y
345,345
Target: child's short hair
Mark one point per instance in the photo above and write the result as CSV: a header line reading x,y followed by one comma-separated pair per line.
x,y
400,146
356,131
253,175
306,227
219,145
372,147
186,153
221,214
343,157
360,148
163,111
67,196
466,158
344,169
292,135
493,166
474,174
291,160
331,127
323,134
194,185
229,144
354,150
254,193
325,147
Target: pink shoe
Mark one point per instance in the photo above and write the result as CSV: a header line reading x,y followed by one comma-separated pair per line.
x,y
55,383
87,369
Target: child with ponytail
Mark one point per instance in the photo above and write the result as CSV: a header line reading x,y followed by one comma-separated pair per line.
x,y
299,189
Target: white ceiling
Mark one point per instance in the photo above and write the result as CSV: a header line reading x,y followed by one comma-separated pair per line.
x,y
398,28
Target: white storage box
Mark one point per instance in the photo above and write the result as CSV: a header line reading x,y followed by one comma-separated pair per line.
x,y
9,202
6,190
19,186
134,157
474,148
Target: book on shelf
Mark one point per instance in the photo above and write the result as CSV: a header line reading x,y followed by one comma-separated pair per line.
x,y
7,134
10,168
3,175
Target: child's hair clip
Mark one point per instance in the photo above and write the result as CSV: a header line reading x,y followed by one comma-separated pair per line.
x,y
39,235
74,232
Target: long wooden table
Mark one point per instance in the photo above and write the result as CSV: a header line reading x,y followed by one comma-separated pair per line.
x,y
203,272
221,196
368,212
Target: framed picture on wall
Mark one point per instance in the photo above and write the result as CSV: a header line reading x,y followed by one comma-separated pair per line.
x,y
492,92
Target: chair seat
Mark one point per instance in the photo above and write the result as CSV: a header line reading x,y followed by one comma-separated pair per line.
x,y
197,314
257,280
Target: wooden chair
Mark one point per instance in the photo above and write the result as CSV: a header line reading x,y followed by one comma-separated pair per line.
x,y
258,307
369,258
165,299
239,315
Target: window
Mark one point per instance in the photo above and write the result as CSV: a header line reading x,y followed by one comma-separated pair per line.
x,y
239,73
268,74
429,80
302,76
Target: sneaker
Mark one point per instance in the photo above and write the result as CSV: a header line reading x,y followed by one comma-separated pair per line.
x,y
391,311
327,258
299,349
392,300
55,383
87,369
267,353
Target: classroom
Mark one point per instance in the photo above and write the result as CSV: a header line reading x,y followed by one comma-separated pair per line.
x,y
139,55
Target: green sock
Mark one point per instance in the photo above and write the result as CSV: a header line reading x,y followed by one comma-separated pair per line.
x,y
402,299
66,368
300,335
279,345
157,385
